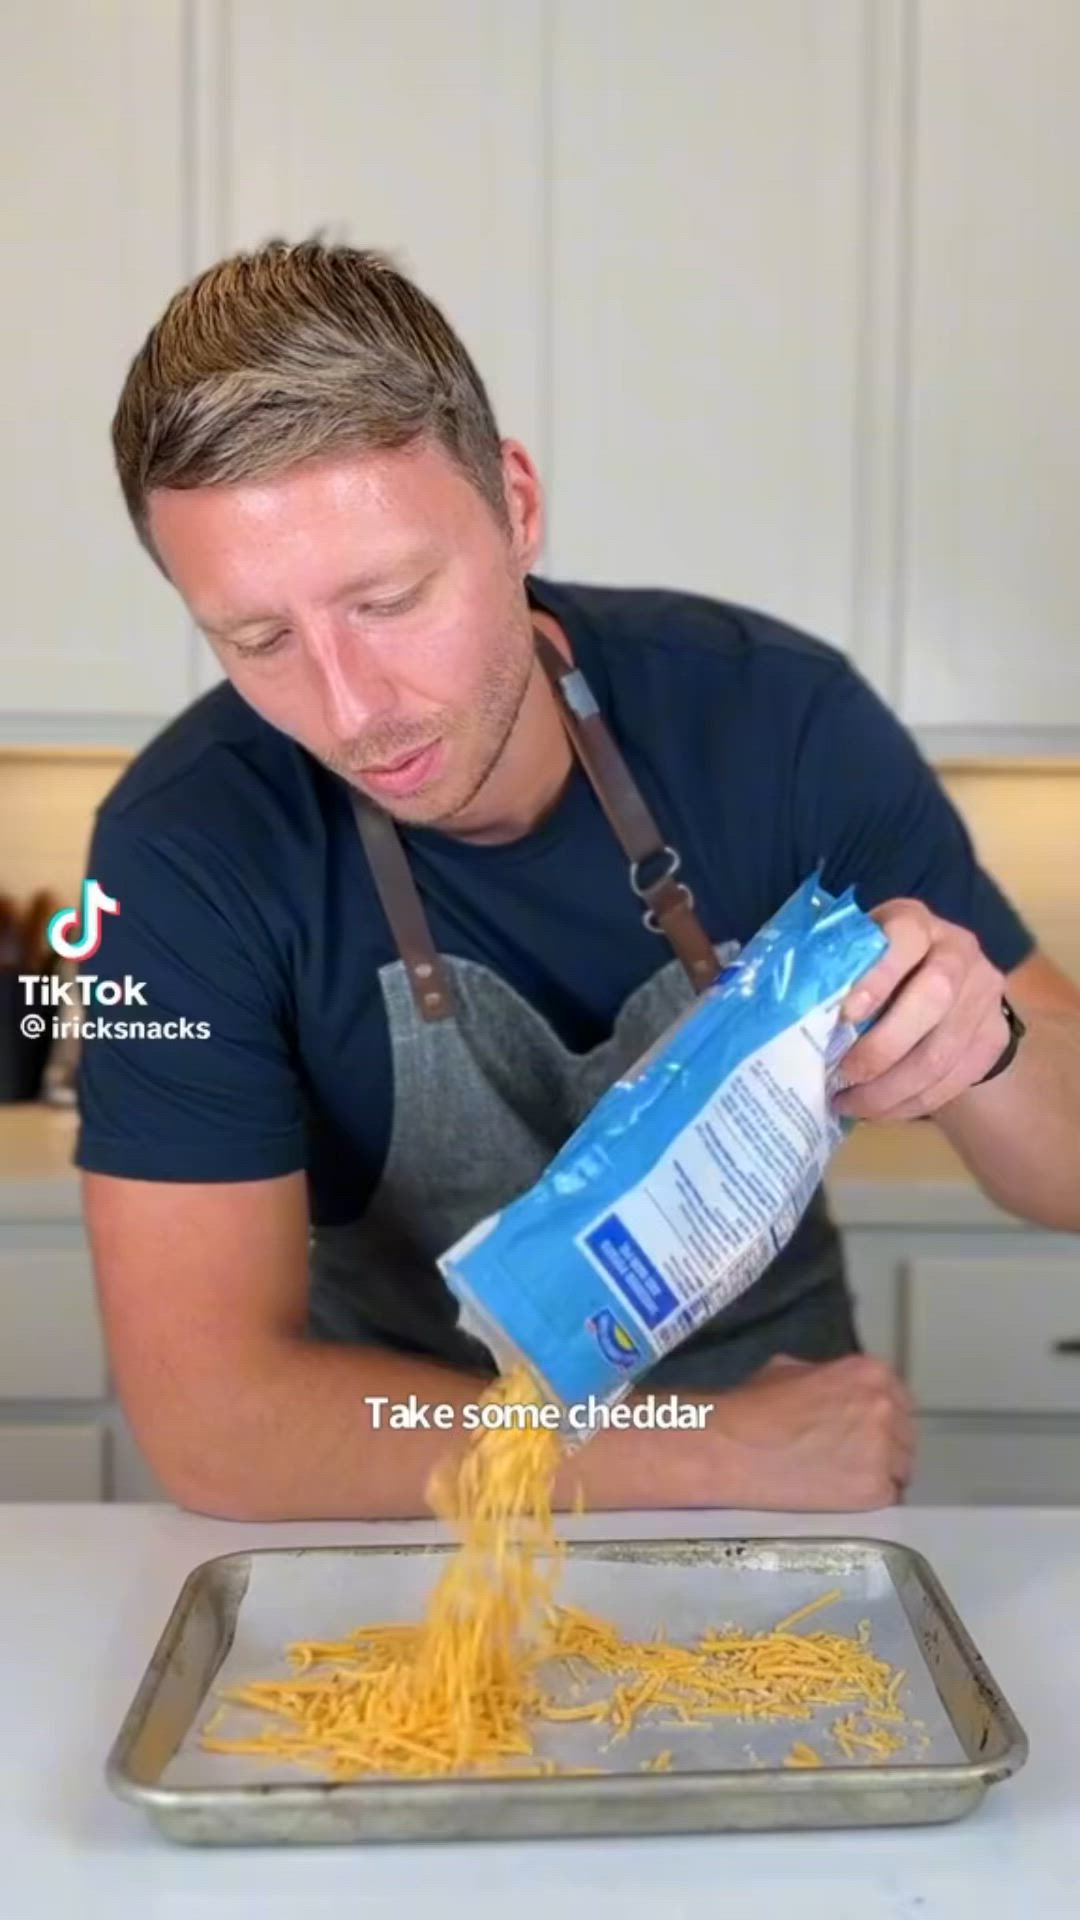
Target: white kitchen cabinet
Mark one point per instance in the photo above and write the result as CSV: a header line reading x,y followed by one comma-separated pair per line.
x,y
63,1435
95,645
781,297
52,1346
45,1460
996,1332
815,293
984,1321
704,300
965,1462
991,465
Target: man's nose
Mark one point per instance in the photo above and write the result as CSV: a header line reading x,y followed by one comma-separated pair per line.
x,y
354,688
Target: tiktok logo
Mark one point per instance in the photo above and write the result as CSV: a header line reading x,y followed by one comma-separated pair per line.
x,y
61,932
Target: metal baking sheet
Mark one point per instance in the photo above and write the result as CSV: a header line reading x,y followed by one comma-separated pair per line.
x,y
236,1615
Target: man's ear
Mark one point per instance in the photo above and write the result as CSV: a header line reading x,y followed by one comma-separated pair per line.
x,y
524,496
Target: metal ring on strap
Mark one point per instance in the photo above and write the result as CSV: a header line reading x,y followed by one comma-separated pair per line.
x,y
674,863
649,916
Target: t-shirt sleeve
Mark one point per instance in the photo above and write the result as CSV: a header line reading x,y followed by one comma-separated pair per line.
x,y
873,813
202,1085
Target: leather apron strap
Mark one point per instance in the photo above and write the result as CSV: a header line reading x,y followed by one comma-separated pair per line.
x,y
654,865
669,903
402,906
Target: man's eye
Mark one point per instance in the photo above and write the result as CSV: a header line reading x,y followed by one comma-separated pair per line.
x,y
382,607
262,647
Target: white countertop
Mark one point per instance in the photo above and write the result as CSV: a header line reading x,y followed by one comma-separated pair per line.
x,y
881,1176
85,1591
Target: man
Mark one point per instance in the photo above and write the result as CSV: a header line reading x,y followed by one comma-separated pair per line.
x,y
397,1046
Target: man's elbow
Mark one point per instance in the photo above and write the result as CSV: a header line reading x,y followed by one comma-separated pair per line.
x,y
248,1495
213,1501
1054,1208
215,1482
217,1496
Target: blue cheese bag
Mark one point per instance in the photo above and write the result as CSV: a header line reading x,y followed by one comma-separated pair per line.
x,y
687,1177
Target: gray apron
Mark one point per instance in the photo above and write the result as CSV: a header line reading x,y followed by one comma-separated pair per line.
x,y
485,1093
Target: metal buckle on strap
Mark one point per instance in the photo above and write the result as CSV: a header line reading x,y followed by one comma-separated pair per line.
x,y
674,863
657,885
649,916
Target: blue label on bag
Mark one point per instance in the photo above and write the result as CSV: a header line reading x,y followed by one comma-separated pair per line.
x,y
630,1271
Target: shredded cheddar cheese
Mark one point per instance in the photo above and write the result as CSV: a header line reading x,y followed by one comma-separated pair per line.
x,y
466,1689
457,1692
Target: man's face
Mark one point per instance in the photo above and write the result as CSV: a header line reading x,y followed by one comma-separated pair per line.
x,y
372,608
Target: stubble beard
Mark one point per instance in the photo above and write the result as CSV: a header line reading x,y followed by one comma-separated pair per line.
x,y
503,698
505,711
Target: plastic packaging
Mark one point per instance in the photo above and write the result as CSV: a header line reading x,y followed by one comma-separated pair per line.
x,y
687,1177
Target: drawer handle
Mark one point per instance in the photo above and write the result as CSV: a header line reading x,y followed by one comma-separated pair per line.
x,y
1066,1346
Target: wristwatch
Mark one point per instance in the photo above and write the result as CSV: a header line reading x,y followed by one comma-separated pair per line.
x,y
1017,1030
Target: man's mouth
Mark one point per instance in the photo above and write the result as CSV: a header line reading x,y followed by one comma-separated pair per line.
x,y
405,774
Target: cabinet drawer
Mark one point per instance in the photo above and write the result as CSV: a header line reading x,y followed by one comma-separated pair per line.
x,y
51,1347
968,1462
52,1463
990,1333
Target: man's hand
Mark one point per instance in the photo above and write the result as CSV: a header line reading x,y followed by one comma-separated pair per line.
x,y
943,1027
828,1437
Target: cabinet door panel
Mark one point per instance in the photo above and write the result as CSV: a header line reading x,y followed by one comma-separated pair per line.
x,y
52,1463
52,1346
999,1332
982,1463
705,217
993,564
92,131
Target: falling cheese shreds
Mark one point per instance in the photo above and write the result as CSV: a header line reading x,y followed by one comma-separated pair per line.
x,y
467,1689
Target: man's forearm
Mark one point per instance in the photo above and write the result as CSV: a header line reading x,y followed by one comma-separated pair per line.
x,y
298,1441
1020,1134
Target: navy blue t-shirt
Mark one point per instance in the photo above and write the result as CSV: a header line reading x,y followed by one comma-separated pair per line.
x,y
246,901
